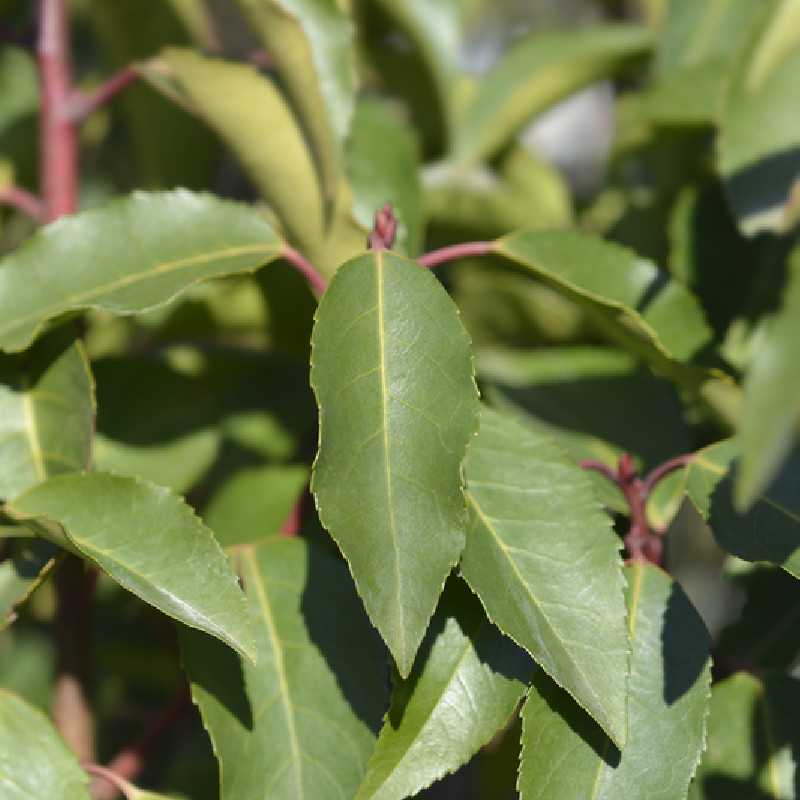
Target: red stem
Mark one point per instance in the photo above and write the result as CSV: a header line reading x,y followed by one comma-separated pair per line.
x,y
112,779
455,251
24,201
306,269
662,470
59,141
82,104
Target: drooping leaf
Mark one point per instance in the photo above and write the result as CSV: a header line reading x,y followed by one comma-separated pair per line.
x,y
136,253
667,704
696,49
27,565
382,166
254,503
753,740
759,143
34,761
311,45
465,685
46,412
535,74
149,541
544,561
392,372
251,116
771,409
302,722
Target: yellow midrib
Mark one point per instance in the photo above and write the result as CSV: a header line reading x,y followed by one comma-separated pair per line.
x,y
32,431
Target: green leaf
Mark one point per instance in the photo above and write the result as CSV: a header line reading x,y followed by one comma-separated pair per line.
x,y
134,254
383,167
759,142
564,754
392,371
46,412
465,685
34,761
301,722
696,49
19,87
28,563
534,75
544,561
752,740
311,45
628,298
254,503
249,113
771,410
149,541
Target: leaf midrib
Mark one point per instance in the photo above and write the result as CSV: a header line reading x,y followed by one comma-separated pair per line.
x,y
32,429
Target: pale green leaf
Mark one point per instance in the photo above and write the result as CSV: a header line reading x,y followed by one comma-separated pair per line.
x,y
752,740
27,564
254,502
149,541
771,411
249,113
465,685
46,412
19,87
302,722
534,75
134,254
311,45
565,755
392,372
34,761
544,561
759,143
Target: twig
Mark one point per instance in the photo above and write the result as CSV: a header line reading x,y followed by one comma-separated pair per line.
x,y
24,201
110,777
82,104
384,229
306,269
455,251
662,470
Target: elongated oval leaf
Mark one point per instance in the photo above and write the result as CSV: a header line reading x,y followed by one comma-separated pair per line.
x,y
34,761
130,256
753,740
46,413
28,563
301,723
311,45
627,296
465,685
149,541
537,73
667,709
392,371
545,562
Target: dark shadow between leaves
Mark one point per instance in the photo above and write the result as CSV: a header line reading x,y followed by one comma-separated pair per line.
x,y
340,629
685,645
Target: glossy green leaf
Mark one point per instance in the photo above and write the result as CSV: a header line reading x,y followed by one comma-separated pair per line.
x,y
535,74
759,143
753,740
46,412
34,761
383,167
134,254
564,754
149,541
249,113
544,561
465,685
392,372
627,296
302,722
697,46
28,563
254,503
771,411
311,45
